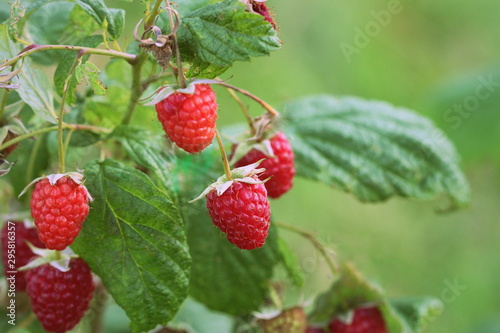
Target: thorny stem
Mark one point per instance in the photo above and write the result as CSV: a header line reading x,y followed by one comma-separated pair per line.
x,y
180,72
266,106
131,58
334,268
60,144
244,109
54,128
137,89
225,161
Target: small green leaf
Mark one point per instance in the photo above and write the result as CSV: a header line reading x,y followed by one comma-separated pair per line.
x,y
134,240
222,33
98,11
373,150
417,313
200,69
88,73
79,26
17,11
64,67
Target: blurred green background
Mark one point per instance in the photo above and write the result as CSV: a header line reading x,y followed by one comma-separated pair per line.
x,y
430,56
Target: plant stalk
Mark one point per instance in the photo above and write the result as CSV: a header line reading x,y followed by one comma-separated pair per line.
x,y
136,89
264,104
244,109
225,161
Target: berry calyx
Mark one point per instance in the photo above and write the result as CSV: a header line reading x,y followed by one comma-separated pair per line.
x,y
239,207
364,320
280,167
292,320
60,299
59,206
16,252
188,116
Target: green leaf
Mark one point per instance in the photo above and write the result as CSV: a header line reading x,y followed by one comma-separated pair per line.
x,y
144,148
291,264
45,26
200,69
98,11
373,150
64,67
417,313
223,277
79,25
88,73
17,11
83,139
134,240
221,33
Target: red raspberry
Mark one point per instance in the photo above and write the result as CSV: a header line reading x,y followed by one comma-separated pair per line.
x,y
59,211
365,320
189,119
280,168
60,299
242,212
261,8
13,236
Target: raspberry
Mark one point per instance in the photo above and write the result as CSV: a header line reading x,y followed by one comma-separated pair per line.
x,y
59,211
365,320
280,168
261,9
242,212
20,254
60,299
291,320
189,119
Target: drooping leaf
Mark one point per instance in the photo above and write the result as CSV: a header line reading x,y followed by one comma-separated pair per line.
x,y
373,150
45,25
223,277
222,33
64,67
98,11
134,240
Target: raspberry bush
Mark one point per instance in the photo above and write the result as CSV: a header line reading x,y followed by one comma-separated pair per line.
x,y
110,184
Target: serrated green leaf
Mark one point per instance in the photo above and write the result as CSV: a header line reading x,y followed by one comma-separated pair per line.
x,y
373,150
200,69
134,240
223,277
17,11
222,33
417,313
65,64
45,25
144,148
83,139
79,26
98,11
88,73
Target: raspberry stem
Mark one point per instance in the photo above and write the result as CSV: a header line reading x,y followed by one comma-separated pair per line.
x,y
332,265
244,109
2,105
225,161
179,72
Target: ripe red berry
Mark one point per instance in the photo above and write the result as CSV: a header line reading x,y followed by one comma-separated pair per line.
x,y
60,299
16,252
59,211
280,168
365,320
189,119
242,212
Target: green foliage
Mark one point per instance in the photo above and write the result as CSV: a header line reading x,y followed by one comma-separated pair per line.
x,y
99,12
373,150
88,73
219,34
134,240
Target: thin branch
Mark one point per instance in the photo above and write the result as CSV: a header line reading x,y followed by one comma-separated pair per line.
x,y
244,109
264,104
225,161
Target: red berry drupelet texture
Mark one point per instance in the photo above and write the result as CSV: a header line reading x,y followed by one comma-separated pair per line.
x,y
280,168
59,211
365,320
189,119
16,233
242,212
262,9
60,299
